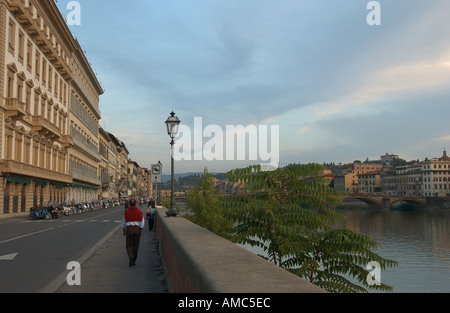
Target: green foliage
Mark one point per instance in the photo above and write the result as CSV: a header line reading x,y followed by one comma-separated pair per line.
x,y
336,260
166,203
289,213
204,202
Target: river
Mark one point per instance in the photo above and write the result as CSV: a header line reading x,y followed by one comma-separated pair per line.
x,y
419,240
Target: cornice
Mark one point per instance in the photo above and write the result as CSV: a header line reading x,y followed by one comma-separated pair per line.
x,y
52,14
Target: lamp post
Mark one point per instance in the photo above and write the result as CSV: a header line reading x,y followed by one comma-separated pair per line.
x,y
172,124
158,196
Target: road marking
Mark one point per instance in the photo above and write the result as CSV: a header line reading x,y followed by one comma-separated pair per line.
x,y
8,257
61,279
27,235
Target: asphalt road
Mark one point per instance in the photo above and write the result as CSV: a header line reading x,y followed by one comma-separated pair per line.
x,y
33,254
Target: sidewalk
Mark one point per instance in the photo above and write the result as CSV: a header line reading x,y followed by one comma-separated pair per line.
x,y
107,269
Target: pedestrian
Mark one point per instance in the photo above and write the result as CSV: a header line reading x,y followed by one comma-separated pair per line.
x,y
152,206
150,218
151,203
133,223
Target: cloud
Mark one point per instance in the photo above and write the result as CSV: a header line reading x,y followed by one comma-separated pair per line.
x,y
313,67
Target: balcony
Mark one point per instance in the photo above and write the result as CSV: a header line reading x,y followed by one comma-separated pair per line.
x,y
17,7
19,168
14,109
67,141
32,27
82,147
44,127
66,72
41,38
50,52
85,179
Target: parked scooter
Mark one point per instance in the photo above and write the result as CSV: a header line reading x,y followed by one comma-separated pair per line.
x,y
67,210
39,213
53,210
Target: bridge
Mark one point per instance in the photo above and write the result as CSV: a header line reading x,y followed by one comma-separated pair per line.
x,y
385,202
377,201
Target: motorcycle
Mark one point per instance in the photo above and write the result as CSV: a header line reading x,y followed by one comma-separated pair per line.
x,y
39,213
54,211
68,210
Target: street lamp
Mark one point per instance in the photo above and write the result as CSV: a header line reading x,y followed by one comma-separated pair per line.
x,y
172,124
158,196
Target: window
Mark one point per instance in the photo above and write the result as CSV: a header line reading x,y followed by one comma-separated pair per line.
x,y
9,90
38,64
27,100
11,36
29,54
50,76
19,89
36,103
21,47
60,90
44,72
56,85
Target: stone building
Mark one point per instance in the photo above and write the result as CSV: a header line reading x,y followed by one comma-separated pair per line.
x,y
436,176
370,182
84,115
36,74
51,145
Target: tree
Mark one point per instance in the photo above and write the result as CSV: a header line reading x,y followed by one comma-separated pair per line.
x,y
289,213
204,202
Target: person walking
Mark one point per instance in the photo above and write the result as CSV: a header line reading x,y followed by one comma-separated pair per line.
x,y
133,223
149,218
151,213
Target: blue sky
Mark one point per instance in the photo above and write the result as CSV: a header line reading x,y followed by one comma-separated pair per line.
x,y
339,89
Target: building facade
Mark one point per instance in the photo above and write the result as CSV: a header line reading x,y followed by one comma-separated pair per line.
x,y
436,176
410,180
51,146
35,78
84,115
347,181
369,182
389,182
103,143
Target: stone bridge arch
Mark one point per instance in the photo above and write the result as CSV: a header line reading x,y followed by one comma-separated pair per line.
x,y
372,202
416,203
385,202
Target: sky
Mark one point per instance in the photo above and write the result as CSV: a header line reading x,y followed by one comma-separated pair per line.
x,y
337,88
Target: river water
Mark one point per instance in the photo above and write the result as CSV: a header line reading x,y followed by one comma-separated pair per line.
x,y
419,240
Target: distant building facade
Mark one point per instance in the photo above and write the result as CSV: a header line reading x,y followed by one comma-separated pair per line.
x,y
36,75
51,147
436,176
